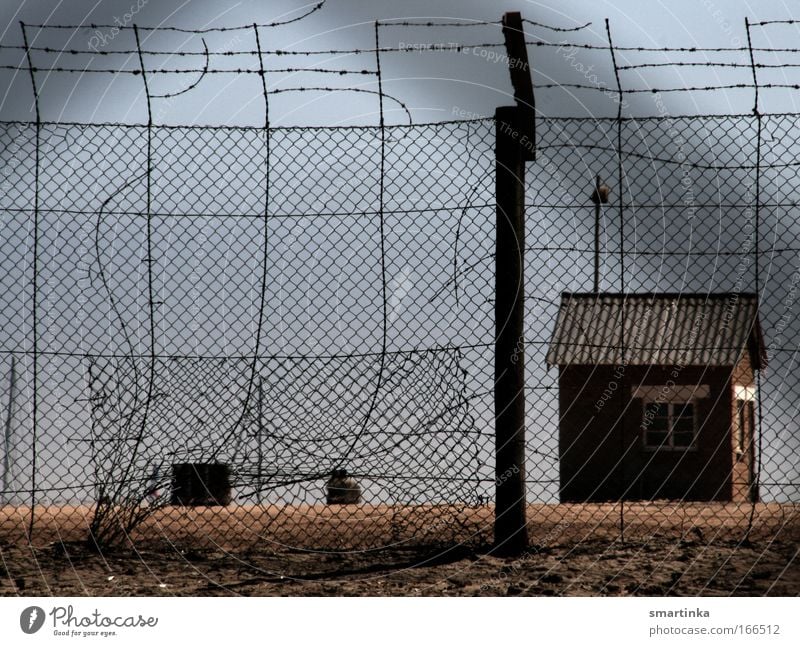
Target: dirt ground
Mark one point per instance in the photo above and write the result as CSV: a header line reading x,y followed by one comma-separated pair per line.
x,y
634,568
671,551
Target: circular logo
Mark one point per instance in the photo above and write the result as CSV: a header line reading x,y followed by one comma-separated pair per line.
x,y
31,619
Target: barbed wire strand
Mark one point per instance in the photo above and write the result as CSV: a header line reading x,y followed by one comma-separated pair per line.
x,y
203,73
278,23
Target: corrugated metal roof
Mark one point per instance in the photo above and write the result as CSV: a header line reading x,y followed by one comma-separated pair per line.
x,y
659,329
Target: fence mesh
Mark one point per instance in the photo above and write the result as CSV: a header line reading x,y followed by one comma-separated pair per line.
x,y
258,335
178,322
692,212
350,325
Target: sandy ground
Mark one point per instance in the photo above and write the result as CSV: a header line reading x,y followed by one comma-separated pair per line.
x,y
575,550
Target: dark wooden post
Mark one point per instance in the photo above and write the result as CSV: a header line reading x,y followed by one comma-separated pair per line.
x,y
515,144
510,532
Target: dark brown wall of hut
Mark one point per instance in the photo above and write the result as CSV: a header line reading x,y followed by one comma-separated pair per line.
x,y
592,439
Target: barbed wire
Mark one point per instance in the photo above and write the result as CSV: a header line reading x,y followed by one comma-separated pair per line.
x,y
710,64
553,28
201,71
277,23
391,22
663,50
775,22
208,70
417,47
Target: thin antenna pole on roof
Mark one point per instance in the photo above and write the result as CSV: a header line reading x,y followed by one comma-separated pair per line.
x,y
599,196
597,239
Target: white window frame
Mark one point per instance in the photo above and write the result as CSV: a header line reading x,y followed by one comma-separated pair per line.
x,y
669,445
671,395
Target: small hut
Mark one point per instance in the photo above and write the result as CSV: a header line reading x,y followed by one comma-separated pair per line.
x,y
656,395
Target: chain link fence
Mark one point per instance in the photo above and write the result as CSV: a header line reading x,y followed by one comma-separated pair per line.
x,y
261,301
698,212
205,343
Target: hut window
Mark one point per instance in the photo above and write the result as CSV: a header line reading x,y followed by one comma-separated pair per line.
x,y
669,425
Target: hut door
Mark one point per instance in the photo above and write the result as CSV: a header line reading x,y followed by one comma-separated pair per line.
x,y
745,441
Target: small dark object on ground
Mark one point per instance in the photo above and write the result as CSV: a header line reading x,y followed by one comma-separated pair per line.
x,y
342,489
201,485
